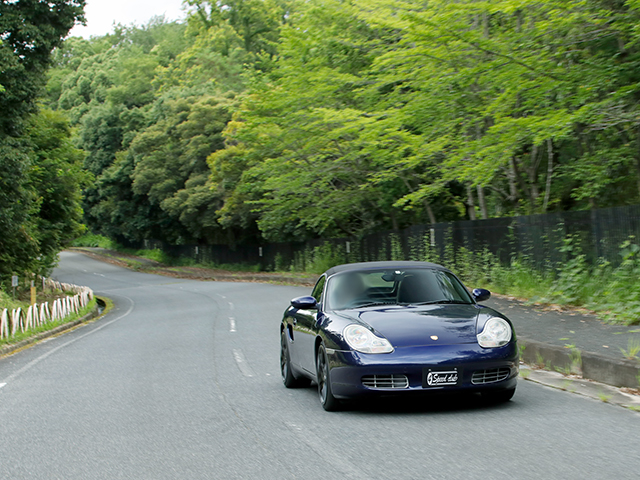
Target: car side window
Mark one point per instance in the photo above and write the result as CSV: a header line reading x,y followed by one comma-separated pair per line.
x,y
319,288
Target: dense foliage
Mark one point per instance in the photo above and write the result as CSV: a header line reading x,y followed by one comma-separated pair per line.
x,y
297,119
41,171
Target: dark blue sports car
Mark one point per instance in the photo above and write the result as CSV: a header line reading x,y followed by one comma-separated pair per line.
x,y
385,328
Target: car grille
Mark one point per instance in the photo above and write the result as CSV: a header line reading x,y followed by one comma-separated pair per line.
x,y
385,381
490,376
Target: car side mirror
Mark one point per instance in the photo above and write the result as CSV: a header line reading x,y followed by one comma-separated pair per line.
x,y
481,294
304,303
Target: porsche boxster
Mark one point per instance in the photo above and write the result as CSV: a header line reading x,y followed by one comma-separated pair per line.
x,y
396,328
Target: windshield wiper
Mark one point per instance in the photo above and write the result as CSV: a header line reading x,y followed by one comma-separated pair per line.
x,y
376,304
441,302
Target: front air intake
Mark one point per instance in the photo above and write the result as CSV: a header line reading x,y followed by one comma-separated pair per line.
x,y
492,375
385,382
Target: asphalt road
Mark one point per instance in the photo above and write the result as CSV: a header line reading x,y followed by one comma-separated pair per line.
x,y
181,381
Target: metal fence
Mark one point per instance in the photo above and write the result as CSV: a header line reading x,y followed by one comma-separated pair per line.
x,y
597,234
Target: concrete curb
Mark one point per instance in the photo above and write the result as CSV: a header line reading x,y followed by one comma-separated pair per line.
x,y
8,349
590,366
587,388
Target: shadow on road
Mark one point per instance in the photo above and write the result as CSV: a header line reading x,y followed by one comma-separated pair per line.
x,y
418,403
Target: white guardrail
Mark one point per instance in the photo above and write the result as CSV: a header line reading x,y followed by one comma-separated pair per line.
x,y
18,319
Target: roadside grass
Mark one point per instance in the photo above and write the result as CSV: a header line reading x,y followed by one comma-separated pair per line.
x,y
20,336
96,241
7,301
612,292
155,254
633,349
229,267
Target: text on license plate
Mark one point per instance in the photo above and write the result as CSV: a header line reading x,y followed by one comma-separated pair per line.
x,y
439,378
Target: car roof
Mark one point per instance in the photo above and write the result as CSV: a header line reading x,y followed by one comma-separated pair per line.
x,y
349,267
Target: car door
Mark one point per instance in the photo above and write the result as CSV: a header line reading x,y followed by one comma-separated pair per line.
x,y
305,328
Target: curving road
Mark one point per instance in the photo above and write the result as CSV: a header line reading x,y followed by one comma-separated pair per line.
x,y
181,381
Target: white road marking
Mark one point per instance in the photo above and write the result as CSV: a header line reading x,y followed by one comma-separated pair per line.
x,y
2,385
231,307
99,274
35,361
242,363
232,324
221,296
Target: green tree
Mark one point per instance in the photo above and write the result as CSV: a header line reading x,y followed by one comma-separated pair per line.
x,y
150,104
343,118
29,30
507,94
57,178
170,159
318,147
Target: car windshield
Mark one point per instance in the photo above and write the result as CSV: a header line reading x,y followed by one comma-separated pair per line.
x,y
416,286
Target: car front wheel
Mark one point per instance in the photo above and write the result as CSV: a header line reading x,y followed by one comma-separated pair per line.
x,y
289,380
328,401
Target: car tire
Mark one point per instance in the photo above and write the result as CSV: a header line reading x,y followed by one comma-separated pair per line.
x,y
288,378
328,401
498,396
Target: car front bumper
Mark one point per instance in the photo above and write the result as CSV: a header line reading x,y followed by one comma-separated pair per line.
x,y
406,370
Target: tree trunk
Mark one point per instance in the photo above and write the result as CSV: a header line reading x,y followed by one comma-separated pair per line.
x,y
513,188
394,221
533,175
485,25
482,202
432,217
547,191
427,206
471,208
638,158
521,183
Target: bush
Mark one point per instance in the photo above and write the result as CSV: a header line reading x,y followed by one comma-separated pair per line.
x,y
324,257
156,255
279,263
95,241
7,301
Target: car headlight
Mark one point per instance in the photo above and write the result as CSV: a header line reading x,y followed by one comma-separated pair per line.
x,y
496,333
362,340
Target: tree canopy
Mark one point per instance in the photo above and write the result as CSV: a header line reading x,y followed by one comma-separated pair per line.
x,y
288,120
41,171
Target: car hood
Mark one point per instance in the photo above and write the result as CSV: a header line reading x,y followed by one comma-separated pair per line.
x,y
407,326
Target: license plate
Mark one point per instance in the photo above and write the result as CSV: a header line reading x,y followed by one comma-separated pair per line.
x,y
440,378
